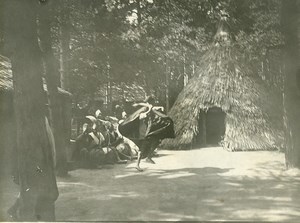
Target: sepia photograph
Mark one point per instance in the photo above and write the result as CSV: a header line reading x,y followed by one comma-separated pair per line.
x,y
150,110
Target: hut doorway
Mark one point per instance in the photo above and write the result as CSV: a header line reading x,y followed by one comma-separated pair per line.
x,y
215,126
211,127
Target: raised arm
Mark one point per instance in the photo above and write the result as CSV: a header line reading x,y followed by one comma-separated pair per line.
x,y
142,104
158,108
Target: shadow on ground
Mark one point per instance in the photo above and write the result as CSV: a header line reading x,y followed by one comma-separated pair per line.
x,y
230,189
185,194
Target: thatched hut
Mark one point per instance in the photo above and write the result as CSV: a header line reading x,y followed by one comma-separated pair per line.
x,y
7,127
225,103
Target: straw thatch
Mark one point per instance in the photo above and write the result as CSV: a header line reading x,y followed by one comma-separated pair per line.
x,y
6,83
225,80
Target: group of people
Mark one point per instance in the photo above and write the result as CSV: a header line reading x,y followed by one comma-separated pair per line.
x,y
107,139
100,143
119,139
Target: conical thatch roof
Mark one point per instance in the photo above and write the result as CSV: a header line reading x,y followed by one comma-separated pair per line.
x,y
226,81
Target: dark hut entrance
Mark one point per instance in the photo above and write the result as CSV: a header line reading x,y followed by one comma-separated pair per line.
x,y
215,126
211,127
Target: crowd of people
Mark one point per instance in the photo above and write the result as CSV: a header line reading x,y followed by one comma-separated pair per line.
x,y
122,137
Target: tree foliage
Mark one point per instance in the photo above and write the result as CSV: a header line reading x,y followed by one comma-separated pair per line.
x,y
147,40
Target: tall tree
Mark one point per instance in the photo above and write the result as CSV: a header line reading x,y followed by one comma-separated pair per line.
x,y
38,188
53,82
291,31
65,25
1,27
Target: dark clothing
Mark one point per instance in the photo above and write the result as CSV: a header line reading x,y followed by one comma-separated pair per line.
x,y
82,141
156,124
111,139
147,133
87,152
118,113
148,146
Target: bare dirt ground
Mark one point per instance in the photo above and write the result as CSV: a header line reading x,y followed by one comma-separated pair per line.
x,y
196,185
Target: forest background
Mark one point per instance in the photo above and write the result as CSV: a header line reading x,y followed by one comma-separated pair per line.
x,y
117,49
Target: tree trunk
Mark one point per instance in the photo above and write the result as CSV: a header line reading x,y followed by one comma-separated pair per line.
x,y
64,45
109,89
53,80
139,11
203,129
185,75
167,74
291,96
38,189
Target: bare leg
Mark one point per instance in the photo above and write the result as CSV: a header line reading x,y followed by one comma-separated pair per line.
x,y
118,157
154,144
149,157
139,161
129,157
150,160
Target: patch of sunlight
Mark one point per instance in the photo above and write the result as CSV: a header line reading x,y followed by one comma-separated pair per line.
x,y
127,175
154,173
214,202
124,195
293,172
169,216
93,195
71,184
250,173
234,184
177,175
161,174
157,171
283,214
284,211
279,186
265,198
248,214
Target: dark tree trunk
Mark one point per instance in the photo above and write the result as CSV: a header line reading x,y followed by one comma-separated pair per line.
x,y
109,88
203,129
139,11
53,82
1,28
167,76
291,98
38,189
64,44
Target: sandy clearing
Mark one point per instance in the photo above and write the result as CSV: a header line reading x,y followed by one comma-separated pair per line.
x,y
202,184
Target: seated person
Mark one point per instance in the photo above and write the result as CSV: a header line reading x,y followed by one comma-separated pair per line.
x,y
97,144
88,151
127,148
112,140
